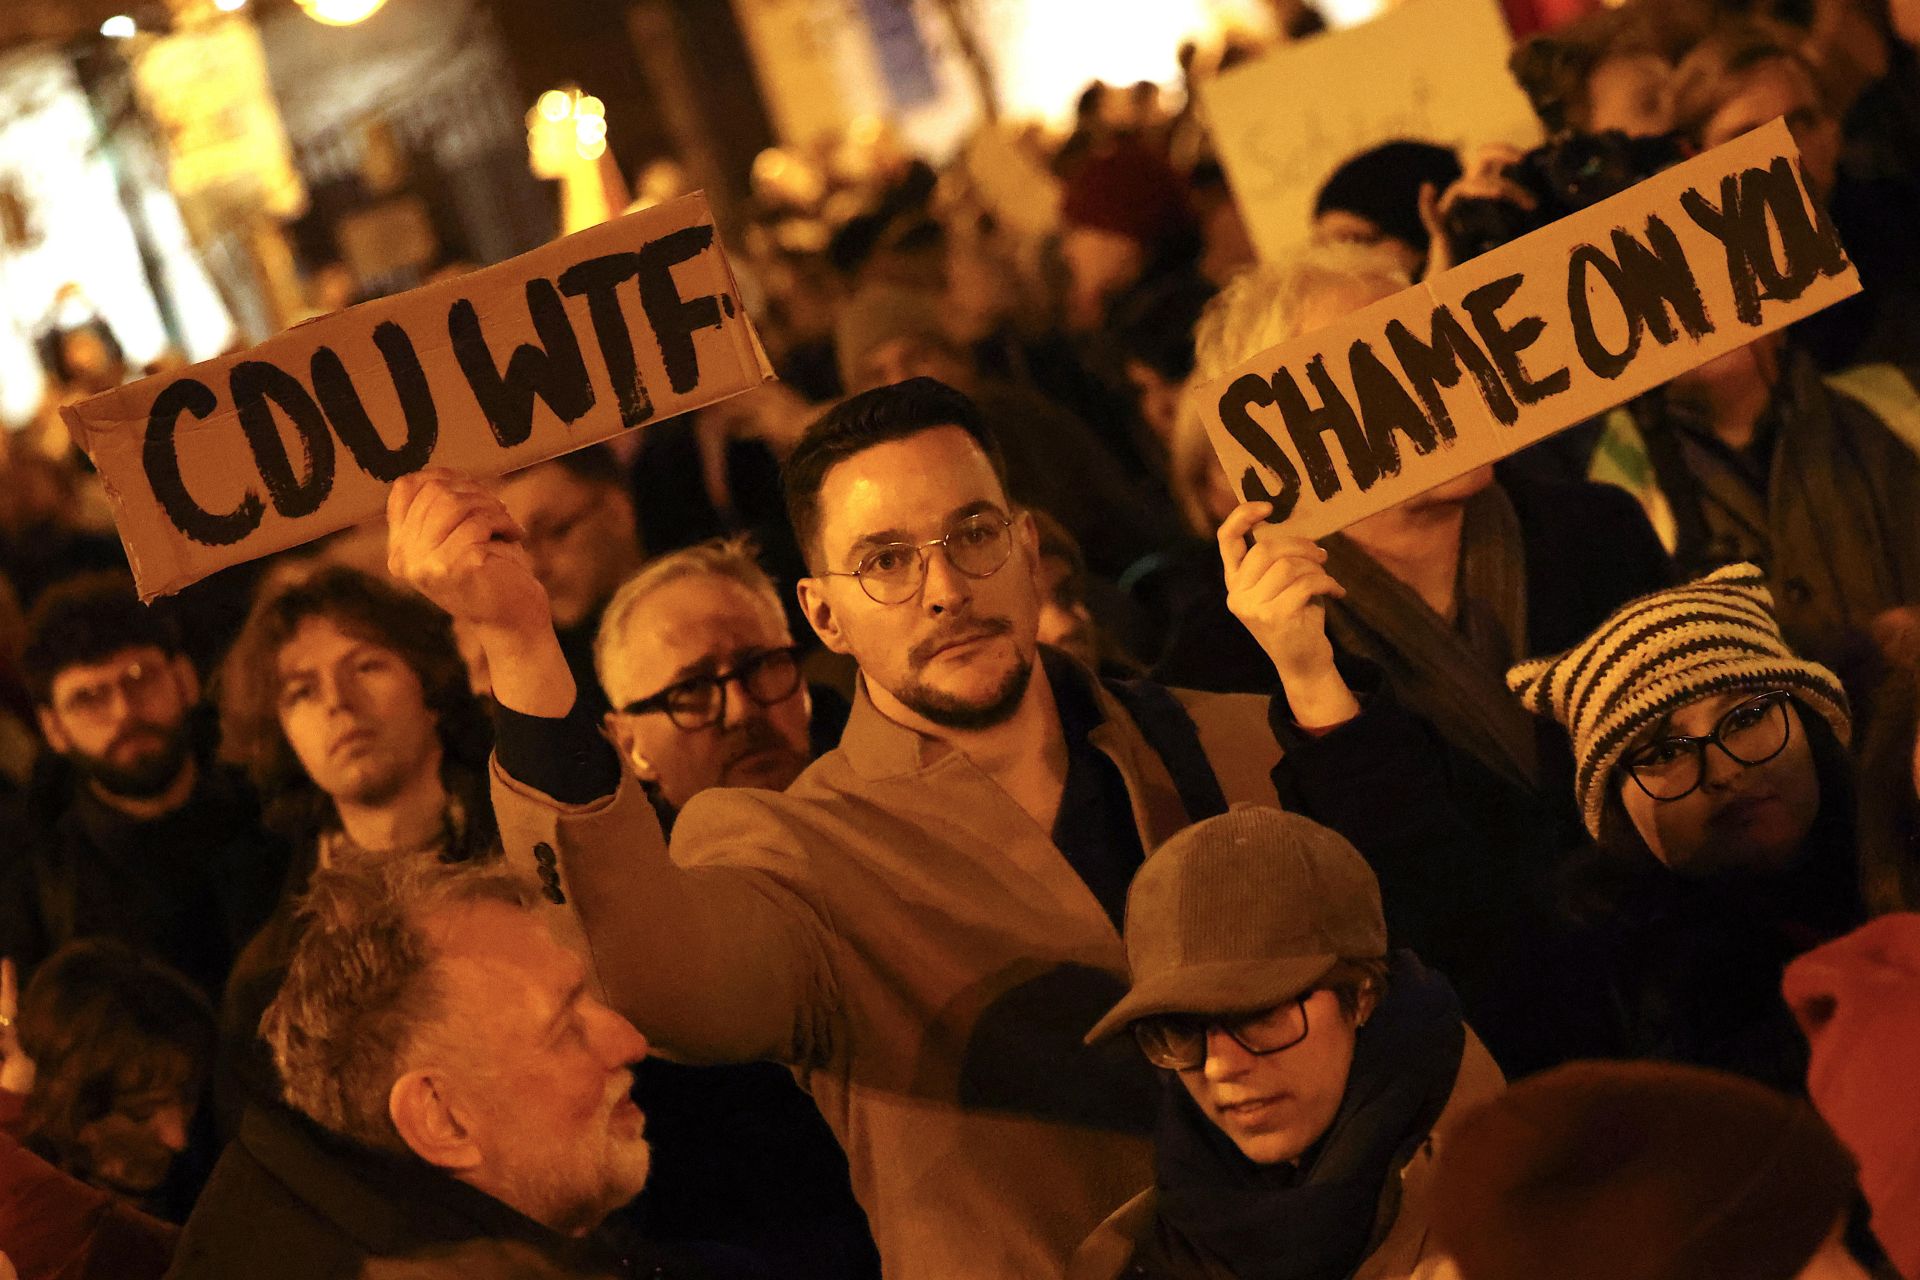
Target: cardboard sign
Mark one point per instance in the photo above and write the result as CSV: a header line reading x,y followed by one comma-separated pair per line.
x,y
582,339
1433,70
1548,331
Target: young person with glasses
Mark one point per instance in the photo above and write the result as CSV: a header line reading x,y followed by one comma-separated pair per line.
x,y
1309,1076
1710,767
925,923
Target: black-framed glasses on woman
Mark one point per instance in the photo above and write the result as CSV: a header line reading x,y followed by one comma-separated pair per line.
x,y
700,702
1178,1041
1750,732
893,572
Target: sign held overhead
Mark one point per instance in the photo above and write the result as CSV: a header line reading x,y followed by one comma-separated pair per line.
x,y
608,329
1502,351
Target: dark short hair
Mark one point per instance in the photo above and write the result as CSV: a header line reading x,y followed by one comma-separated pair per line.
x,y
863,421
101,1021
249,689
88,619
1889,807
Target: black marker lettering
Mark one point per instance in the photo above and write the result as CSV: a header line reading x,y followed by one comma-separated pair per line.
x,y
257,387
161,458
1251,389
675,319
557,374
1722,224
598,280
1593,352
1505,343
1308,425
338,396
1385,407
1436,363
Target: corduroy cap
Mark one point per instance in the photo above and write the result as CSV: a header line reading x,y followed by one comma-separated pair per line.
x,y
1658,653
1639,1171
1244,911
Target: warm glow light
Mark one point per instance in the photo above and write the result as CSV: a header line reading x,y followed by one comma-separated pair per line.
x,y
341,13
229,6
555,104
119,27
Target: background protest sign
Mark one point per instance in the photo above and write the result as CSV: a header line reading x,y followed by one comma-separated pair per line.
x,y
616,326
1435,70
1559,325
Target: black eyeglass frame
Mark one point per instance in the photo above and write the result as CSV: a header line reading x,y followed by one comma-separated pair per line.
x,y
922,550
1231,1027
741,673
1771,699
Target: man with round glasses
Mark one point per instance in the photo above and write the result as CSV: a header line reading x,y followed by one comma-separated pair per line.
x,y
926,921
1308,1076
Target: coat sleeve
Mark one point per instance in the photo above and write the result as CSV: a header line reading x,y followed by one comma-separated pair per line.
x,y
716,951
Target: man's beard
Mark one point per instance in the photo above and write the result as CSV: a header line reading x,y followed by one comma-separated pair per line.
x,y
149,774
950,712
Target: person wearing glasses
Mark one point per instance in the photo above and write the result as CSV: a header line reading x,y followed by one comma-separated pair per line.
x,y
1711,770
703,676
1309,1075
923,924
707,691
131,829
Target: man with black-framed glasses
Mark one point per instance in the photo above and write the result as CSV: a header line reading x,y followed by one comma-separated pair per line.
x,y
926,921
704,679
1309,1076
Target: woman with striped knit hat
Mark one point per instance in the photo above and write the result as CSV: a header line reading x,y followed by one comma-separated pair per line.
x,y
1711,768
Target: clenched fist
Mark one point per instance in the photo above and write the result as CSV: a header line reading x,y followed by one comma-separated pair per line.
x,y
451,540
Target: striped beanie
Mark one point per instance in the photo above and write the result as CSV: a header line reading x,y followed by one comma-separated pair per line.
x,y
1658,653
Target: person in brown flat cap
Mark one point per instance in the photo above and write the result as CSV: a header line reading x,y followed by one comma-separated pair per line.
x,y
1309,1076
1644,1171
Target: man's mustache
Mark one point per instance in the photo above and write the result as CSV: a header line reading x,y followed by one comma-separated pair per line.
x,y
973,629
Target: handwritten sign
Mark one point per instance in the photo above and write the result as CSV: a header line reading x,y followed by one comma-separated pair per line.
x,y
1432,70
621,324
1468,367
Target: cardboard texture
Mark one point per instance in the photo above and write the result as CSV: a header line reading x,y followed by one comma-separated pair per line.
x,y
1435,70
1550,330
619,325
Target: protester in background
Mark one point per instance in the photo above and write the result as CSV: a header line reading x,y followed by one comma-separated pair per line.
x,y
1597,1170
1373,200
1154,333
42,541
1609,70
974,833
453,1089
1711,769
1055,462
1309,1078
55,1226
1858,1000
346,701
120,1046
578,525
19,744
1126,223
130,829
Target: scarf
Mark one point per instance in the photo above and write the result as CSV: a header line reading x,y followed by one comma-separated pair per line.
x,y
1453,676
1315,1219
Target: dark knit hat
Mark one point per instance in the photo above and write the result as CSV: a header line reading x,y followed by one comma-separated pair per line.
x,y
1130,191
1244,911
1660,652
1639,1171
1858,1000
1383,185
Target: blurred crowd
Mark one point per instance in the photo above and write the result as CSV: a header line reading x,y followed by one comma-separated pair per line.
x,y
899,821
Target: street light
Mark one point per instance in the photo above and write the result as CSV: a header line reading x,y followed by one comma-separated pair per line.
x,y
341,13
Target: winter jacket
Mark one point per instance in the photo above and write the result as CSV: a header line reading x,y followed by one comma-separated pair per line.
x,y
55,1227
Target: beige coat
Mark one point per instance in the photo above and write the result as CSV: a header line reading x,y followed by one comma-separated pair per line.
x,y
858,926
1403,1248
